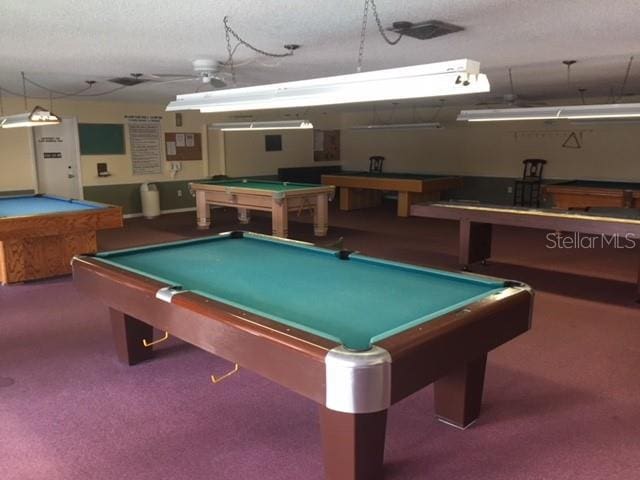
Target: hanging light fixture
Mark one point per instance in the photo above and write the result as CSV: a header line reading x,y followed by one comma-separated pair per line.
x,y
266,125
34,118
579,113
418,81
573,112
416,124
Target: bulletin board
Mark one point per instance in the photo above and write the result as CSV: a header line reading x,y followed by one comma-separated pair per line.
x,y
182,147
101,138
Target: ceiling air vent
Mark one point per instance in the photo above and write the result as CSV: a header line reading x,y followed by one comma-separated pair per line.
x,y
425,30
128,81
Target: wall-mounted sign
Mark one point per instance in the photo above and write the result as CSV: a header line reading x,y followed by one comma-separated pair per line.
x,y
144,137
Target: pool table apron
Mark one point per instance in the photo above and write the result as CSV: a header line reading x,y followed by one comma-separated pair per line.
x,y
278,203
568,197
353,395
41,246
358,192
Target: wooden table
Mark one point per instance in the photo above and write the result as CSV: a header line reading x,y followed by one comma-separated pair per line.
x,y
586,194
40,234
279,198
364,189
477,220
352,333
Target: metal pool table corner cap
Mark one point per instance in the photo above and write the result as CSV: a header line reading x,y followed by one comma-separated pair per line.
x,y
358,382
166,293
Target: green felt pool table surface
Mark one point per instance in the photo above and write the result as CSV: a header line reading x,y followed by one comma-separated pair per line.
x,y
273,186
354,301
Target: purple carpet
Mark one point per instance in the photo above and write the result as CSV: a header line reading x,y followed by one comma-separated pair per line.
x,y
561,402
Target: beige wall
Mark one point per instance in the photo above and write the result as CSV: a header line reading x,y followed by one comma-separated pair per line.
x,y
245,153
497,149
16,154
16,164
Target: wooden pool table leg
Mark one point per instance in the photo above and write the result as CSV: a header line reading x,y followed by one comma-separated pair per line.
x,y
203,210
458,396
353,444
280,218
321,215
345,198
128,333
475,242
404,202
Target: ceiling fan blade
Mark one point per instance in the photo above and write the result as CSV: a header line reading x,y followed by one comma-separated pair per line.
x,y
217,82
173,75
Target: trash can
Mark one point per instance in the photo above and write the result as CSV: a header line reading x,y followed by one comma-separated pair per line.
x,y
150,198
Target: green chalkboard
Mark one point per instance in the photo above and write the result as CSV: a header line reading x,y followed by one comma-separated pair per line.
x,y
101,138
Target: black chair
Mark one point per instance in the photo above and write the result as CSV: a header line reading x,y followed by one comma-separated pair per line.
x,y
375,164
526,192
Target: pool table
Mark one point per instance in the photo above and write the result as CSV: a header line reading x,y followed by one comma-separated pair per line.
x,y
476,220
279,198
364,189
354,334
585,194
40,234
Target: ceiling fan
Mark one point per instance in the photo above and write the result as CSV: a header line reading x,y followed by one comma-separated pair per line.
x,y
511,99
208,71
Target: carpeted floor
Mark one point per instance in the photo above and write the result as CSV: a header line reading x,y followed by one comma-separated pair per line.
x,y
561,402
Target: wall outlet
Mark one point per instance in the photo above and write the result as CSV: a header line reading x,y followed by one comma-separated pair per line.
x,y
509,189
179,192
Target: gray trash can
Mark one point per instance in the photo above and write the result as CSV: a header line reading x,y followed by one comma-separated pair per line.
x,y
150,198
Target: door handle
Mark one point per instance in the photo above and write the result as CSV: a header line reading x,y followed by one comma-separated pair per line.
x,y
70,175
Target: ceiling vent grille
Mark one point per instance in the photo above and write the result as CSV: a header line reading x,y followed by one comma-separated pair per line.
x,y
425,30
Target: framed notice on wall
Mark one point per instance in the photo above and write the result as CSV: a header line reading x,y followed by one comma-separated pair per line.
x,y
144,138
182,147
326,145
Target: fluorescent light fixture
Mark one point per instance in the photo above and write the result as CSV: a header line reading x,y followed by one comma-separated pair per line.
x,y
605,121
38,116
606,111
418,81
273,125
399,126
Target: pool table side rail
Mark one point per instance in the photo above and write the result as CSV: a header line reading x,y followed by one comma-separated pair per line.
x,y
291,357
414,185
232,189
456,338
538,219
60,223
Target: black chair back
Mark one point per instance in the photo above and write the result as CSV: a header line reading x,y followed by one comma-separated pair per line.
x,y
375,164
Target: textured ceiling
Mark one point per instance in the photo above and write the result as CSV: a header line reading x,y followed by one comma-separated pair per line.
x,y
60,44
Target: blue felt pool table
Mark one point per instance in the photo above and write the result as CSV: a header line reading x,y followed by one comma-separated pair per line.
x,y
353,333
39,234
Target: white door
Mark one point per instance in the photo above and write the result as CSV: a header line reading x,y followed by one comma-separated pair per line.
x,y
57,155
